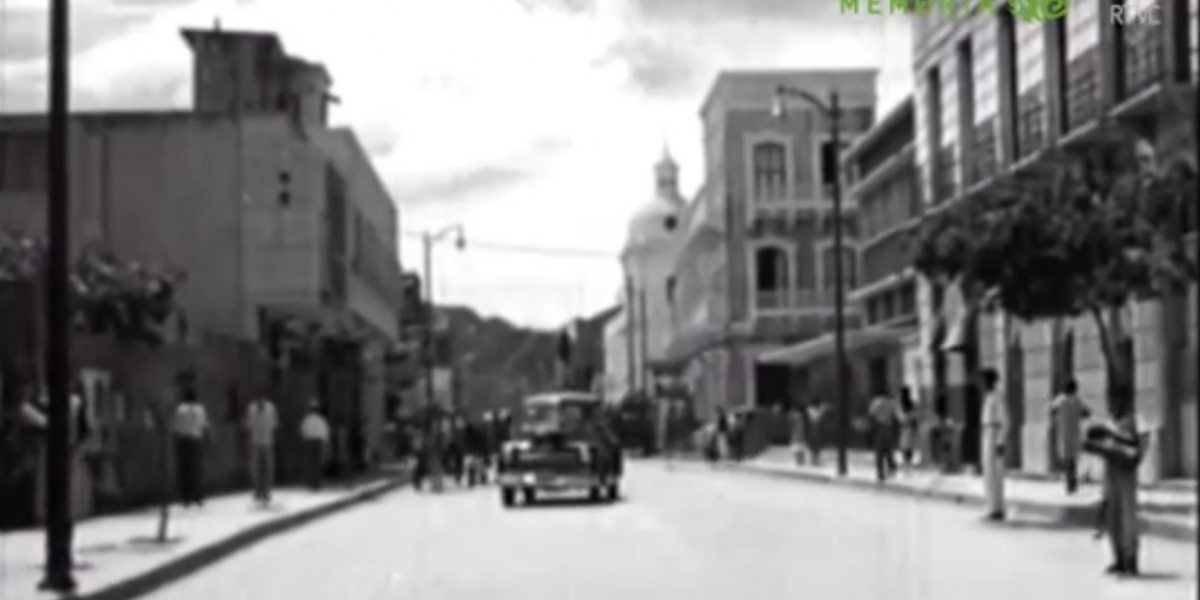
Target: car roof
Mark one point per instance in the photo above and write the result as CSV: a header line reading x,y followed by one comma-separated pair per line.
x,y
560,397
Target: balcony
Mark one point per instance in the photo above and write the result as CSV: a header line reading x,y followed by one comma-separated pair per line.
x,y
944,187
788,301
888,255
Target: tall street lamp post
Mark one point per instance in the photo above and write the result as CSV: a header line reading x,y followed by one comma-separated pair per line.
x,y
831,110
59,529
428,240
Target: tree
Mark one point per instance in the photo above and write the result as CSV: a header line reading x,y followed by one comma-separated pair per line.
x,y
1089,243
109,296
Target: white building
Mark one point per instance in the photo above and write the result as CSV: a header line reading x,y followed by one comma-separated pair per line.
x,y
639,335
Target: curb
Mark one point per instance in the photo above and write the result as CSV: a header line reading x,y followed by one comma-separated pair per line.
x,y
1078,517
149,581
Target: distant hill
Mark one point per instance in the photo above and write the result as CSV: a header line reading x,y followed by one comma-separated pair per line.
x,y
497,361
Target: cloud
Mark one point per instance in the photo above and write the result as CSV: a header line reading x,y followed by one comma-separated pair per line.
x,y
24,31
463,185
725,11
656,66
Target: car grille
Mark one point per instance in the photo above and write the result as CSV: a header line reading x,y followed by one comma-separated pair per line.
x,y
561,461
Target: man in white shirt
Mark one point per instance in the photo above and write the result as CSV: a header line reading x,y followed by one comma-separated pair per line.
x,y
261,423
1069,413
995,428
314,430
190,427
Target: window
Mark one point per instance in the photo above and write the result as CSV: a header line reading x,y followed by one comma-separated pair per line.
x,y
671,286
770,171
670,223
770,269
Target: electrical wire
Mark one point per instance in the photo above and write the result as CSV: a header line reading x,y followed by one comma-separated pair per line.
x,y
549,251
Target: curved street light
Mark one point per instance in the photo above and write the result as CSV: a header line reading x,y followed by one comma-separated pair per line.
x,y
831,110
428,240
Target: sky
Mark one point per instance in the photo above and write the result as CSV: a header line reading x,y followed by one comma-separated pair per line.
x,y
533,124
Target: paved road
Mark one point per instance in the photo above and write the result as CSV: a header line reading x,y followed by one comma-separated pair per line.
x,y
683,533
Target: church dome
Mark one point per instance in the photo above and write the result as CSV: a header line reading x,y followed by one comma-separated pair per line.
x,y
658,220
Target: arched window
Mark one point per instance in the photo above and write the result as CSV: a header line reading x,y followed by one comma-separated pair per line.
x,y
771,269
769,171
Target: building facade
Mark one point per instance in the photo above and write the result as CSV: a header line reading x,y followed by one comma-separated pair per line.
x,y
700,302
765,183
882,178
648,261
283,231
1000,101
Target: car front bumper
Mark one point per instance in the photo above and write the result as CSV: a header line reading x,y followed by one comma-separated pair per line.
x,y
549,481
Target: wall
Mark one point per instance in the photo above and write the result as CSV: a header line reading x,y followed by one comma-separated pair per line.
x,y
739,108
374,289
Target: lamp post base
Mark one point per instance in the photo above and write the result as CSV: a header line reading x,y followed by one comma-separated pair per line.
x,y
63,583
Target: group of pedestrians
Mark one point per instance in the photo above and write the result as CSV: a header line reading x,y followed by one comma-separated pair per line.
x,y
725,437
454,446
192,430
1119,442
893,427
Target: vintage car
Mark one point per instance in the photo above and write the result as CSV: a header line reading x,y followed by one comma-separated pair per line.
x,y
562,442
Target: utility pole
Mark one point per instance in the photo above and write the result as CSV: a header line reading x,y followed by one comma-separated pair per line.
x,y
839,287
427,355
831,109
59,529
630,344
428,239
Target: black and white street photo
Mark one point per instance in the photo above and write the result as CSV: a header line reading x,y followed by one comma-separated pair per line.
x,y
599,299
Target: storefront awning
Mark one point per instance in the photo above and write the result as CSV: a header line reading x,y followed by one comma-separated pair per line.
x,y
824,346
688,343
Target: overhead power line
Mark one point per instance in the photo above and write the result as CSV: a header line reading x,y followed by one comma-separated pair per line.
x,y
531,249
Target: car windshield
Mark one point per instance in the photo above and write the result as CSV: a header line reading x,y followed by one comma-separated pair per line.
x,y
562,416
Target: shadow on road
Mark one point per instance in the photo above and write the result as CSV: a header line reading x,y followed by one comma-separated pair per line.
x,y
566,503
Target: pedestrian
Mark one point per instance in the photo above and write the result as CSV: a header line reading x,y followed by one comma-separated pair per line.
x,y
1121,444
909,427
885,425
191,427
1068,413
813,434
721,435
314,431
797,426
262,421
995,429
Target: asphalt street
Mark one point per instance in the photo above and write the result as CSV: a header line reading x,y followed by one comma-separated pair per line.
x,y
688,533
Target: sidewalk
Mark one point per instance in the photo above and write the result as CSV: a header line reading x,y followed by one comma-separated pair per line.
x,y
118,559
1166,512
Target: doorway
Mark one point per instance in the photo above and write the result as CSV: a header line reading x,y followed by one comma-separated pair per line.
x,y
772,385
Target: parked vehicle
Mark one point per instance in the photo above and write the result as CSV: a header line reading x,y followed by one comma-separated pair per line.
x,y
562,443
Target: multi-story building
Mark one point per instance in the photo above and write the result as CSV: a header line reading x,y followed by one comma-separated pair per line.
x,y
285,234
882,176
764,182
699,302
1001,101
